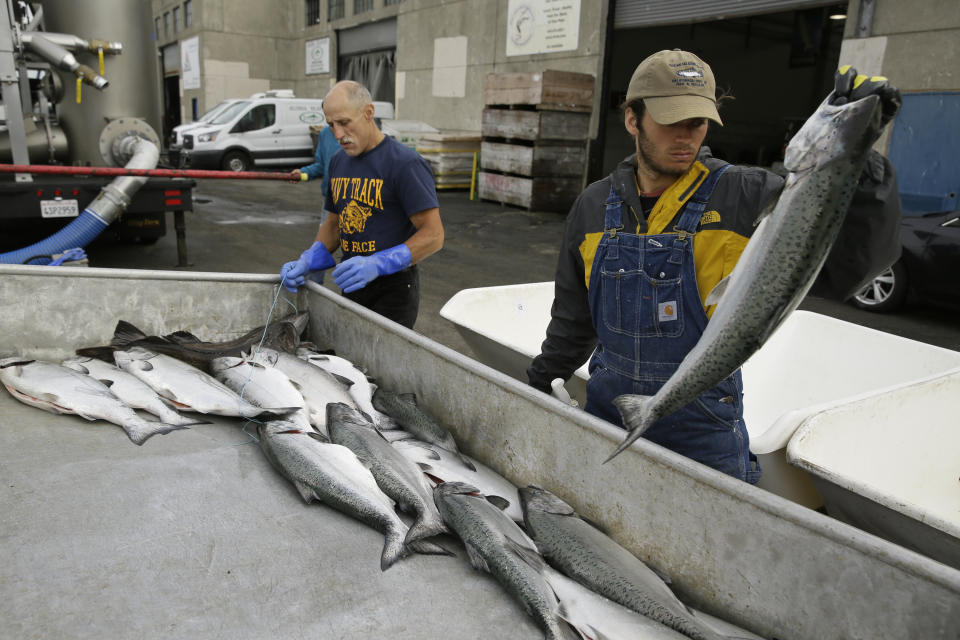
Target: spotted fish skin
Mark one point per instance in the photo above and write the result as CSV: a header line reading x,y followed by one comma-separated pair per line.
x,y
780,263
496,544
593,559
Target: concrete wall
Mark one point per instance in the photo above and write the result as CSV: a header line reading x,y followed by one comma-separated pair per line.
x,y
445,48
916,44
431,33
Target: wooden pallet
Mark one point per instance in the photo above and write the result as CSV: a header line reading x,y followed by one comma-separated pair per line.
x,y
538,159
539,194
545,90
535,125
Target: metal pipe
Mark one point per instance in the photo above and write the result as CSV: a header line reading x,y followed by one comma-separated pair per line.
x,y
63,59
74,43
147,173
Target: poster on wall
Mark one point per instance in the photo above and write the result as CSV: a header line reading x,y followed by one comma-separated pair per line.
x,y
318,56
542,26
190,62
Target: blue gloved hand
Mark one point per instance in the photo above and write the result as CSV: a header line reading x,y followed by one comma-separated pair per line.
x,y
316,258
359,271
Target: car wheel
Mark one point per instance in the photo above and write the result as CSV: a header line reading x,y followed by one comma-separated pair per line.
x,y
885,292
235,161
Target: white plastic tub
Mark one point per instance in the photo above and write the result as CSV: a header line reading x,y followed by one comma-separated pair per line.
x,y
890,464
812,363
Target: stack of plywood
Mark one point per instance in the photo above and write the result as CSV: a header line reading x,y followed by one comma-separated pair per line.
x,y
535,127
451,156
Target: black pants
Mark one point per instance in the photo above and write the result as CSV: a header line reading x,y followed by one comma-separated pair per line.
x,y
396,296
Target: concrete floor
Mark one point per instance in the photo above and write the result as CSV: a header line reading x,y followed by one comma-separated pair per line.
x,y
256,226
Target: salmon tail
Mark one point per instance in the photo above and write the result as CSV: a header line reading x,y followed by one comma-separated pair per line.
x,y
393,549
140,433
635,411
426,527
125,333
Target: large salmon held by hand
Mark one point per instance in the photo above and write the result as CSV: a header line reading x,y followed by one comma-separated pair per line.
x,y
781,261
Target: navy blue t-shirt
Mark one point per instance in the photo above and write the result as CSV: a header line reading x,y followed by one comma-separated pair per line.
x,y
375,193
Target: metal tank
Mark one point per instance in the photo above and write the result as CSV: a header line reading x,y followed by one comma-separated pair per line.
x,y
133,96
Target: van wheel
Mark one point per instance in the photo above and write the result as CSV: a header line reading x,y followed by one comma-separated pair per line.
x,y
884,293
235,161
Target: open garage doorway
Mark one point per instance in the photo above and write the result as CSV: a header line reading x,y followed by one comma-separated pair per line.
x,y
777,67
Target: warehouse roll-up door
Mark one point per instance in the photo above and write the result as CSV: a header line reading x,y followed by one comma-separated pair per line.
x,y
630,14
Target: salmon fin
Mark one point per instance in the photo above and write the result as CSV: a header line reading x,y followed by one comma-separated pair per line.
x,y
424,466
319,437
528,555
716,294
125,333
100,353
182,337
434,479
306,492
499,502
347,382
106,383
477,561
429,549
425,528
467,462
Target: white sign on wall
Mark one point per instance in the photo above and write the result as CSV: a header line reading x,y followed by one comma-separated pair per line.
x,y
190,62
318,56
542,26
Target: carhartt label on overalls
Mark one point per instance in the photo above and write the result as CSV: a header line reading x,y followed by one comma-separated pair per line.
x,y
667,311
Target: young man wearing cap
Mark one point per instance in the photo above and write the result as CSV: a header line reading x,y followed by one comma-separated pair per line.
x,y
632,217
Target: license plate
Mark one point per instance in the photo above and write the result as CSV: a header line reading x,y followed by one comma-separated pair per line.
x,y
59,209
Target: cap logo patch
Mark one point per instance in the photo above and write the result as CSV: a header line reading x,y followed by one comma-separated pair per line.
x,y
688,75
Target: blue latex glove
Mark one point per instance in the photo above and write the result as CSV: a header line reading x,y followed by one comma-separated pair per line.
x,y
316,258
359,271
69,255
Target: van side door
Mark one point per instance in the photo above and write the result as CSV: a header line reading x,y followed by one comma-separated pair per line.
x,y
258,132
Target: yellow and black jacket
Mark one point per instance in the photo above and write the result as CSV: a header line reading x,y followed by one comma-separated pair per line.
x,y
868,243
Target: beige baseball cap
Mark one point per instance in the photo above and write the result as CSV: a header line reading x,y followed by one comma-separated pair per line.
x,y
675,85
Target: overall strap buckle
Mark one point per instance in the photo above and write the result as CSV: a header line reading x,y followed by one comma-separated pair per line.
x,y
613,217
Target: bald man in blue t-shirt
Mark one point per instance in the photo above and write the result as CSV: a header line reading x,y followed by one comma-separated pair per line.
x,y
386,216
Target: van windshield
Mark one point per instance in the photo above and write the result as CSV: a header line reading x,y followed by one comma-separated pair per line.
x,y
230,112
210,114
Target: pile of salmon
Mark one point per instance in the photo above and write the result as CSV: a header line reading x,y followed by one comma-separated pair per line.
x,y
369,452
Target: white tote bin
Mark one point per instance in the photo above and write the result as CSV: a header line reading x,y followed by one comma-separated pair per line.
x,y
811,363
890,464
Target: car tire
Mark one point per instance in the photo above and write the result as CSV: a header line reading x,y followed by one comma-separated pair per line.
x,y
884,293
235,161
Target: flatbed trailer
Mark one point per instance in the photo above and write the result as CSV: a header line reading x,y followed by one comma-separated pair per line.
x,y
195,535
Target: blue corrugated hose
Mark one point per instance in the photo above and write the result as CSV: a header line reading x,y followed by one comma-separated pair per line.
x,y
76,234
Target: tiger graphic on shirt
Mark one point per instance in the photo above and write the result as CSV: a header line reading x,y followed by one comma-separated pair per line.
x,y
353,218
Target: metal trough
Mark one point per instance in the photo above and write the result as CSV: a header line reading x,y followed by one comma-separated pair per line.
x,y
194,534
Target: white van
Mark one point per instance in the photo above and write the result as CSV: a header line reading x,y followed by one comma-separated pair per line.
x,y
263,131
176,135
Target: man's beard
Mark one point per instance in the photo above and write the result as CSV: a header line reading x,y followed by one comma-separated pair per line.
x,y
645,150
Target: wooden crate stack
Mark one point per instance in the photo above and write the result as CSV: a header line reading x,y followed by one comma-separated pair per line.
x,y
451,156
535,127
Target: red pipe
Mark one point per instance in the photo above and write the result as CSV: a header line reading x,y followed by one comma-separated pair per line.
x,y
62,170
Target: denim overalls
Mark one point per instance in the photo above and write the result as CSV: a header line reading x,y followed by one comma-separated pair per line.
x,y
648,315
